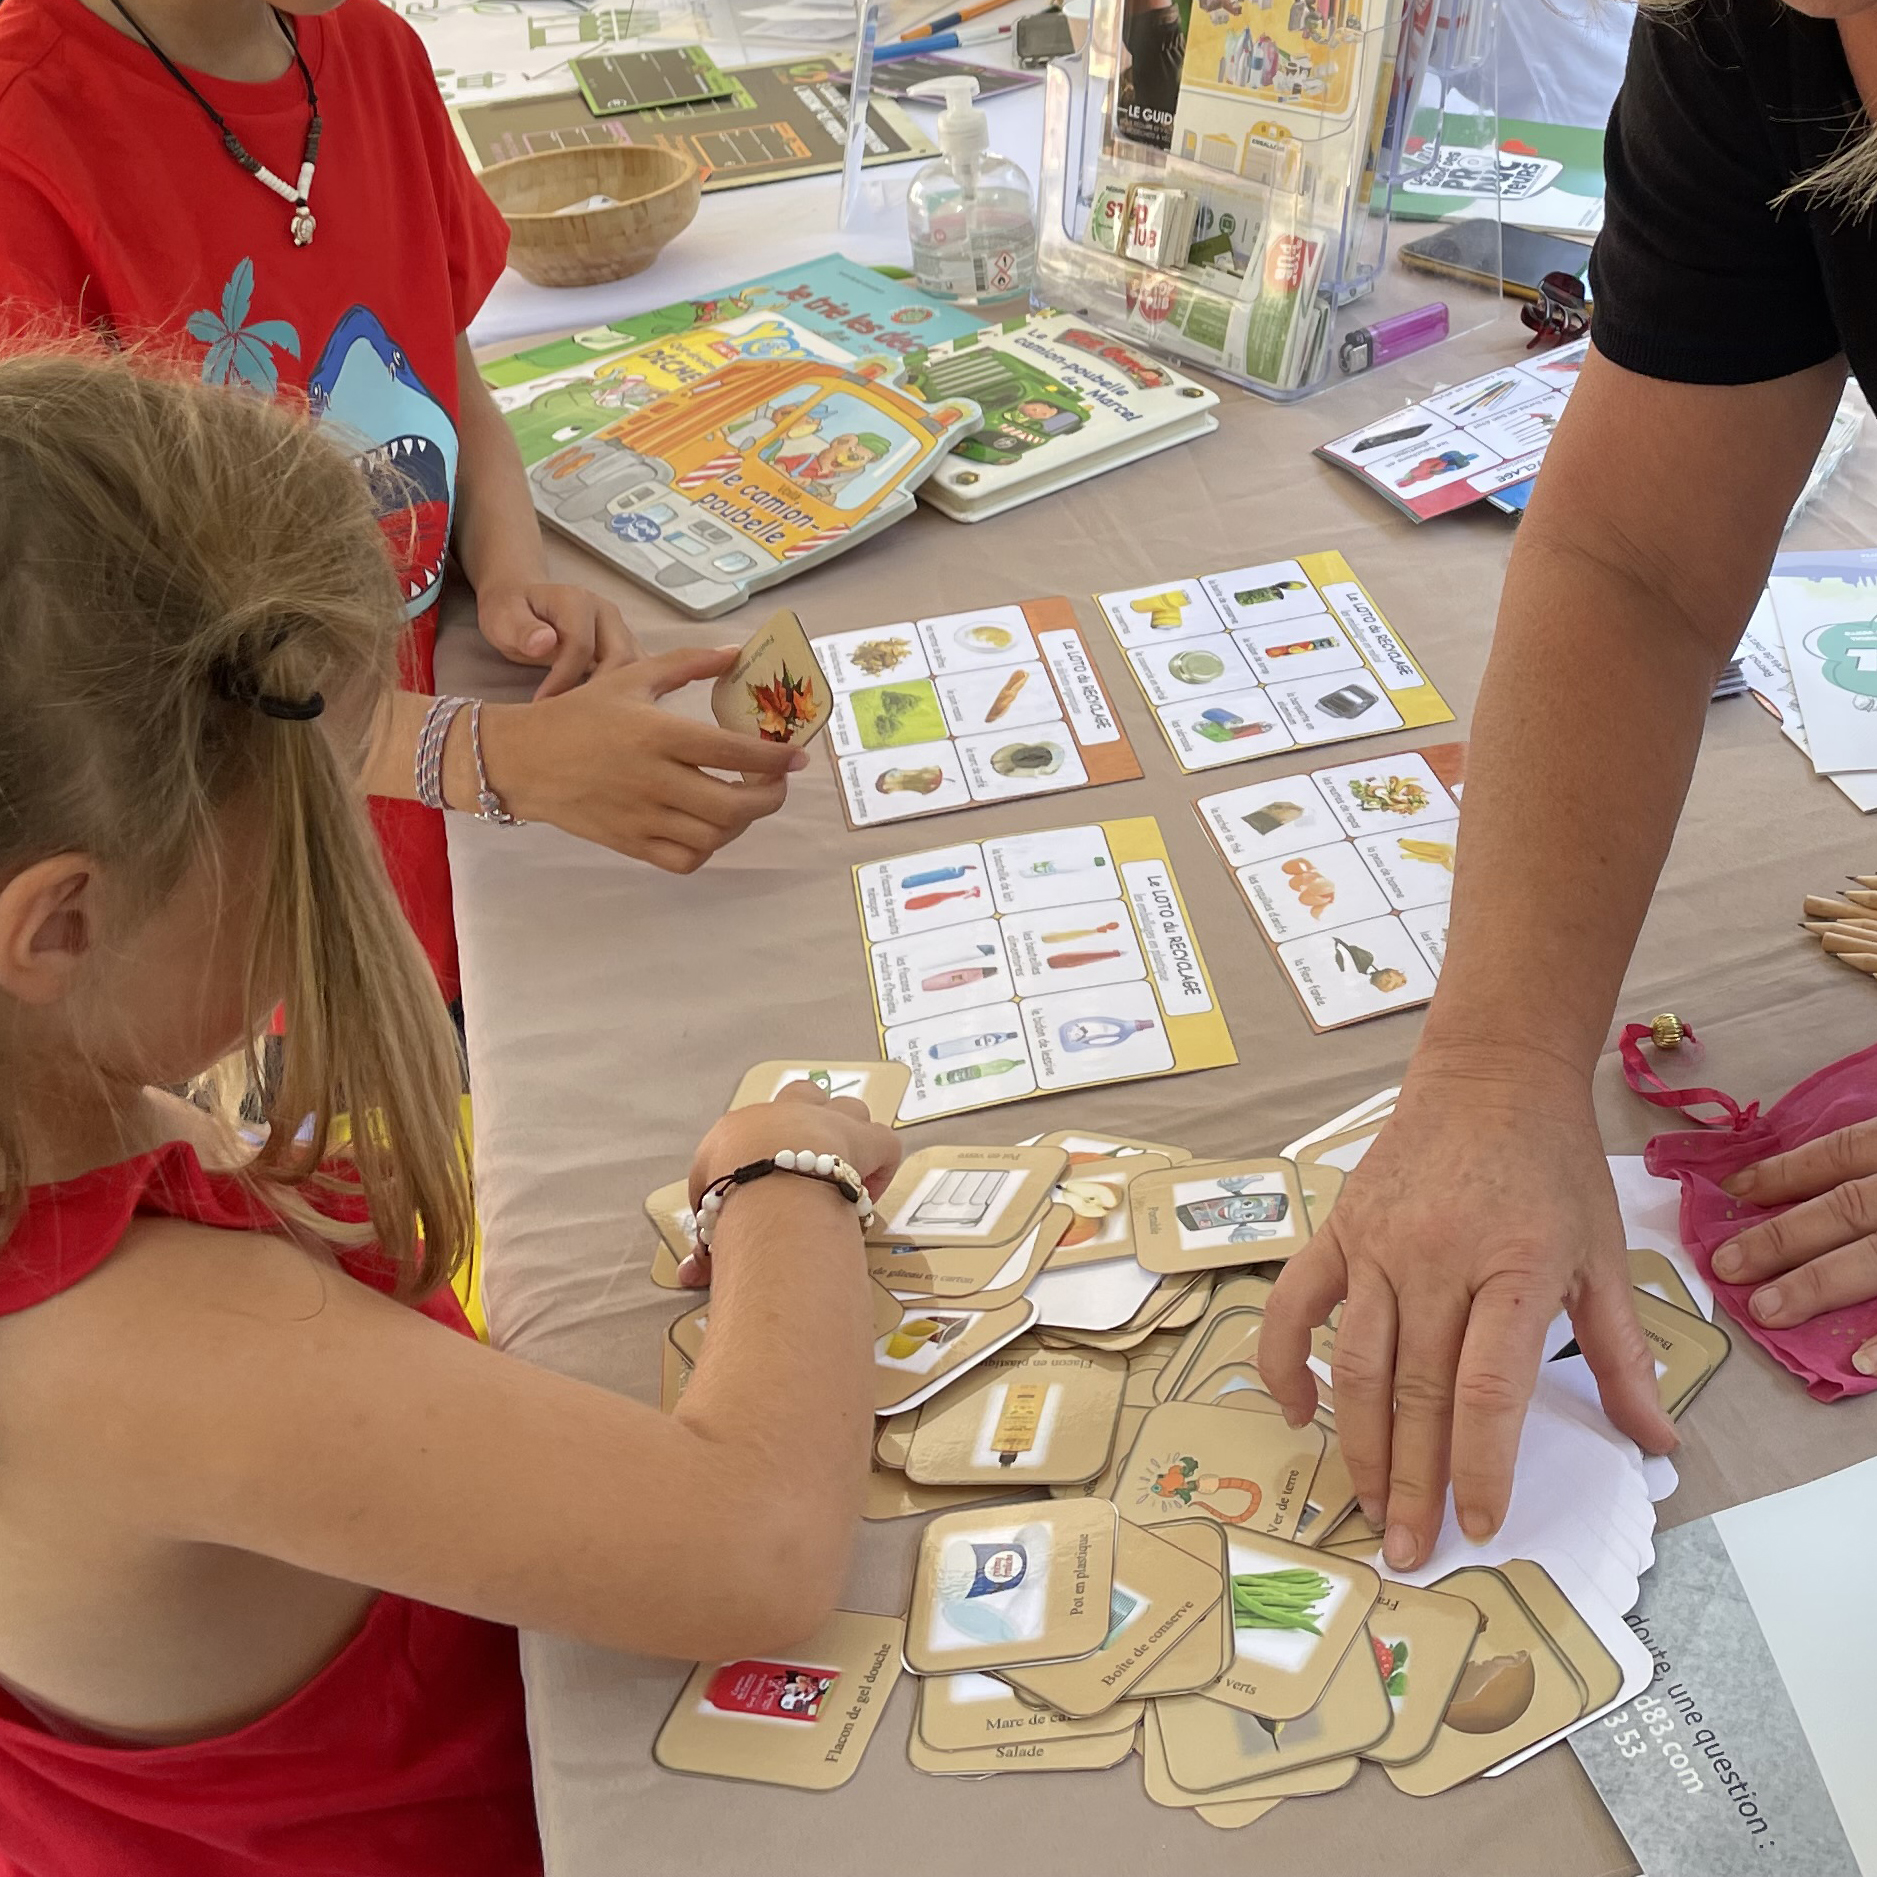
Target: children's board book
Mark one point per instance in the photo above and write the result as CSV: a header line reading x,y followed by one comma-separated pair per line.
x,y
780,121
1010,968
988,706
1348,871
1260,659
1062,402
710,464
864,313
1547,176
1467,443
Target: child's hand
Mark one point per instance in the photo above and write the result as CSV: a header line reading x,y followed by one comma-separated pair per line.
x,y
605,763
800,1116
571,631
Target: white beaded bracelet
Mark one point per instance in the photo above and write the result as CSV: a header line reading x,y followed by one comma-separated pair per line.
x,y
700,1227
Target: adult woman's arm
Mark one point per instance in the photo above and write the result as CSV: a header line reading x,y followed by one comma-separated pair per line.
x,y
1486,1203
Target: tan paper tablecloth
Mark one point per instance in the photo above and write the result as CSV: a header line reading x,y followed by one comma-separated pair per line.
x,y
612,1008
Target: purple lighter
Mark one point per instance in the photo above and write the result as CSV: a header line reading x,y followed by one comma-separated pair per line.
x,y
1394,338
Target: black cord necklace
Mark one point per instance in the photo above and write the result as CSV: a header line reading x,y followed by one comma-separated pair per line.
x,y
302,226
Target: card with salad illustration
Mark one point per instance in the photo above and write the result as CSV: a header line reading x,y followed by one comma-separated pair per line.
x,y
1012,1587
879,1086
989,706
1348,872
1257,660
802,1720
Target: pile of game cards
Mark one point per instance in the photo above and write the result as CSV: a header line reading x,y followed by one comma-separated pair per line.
x,y
1079,1315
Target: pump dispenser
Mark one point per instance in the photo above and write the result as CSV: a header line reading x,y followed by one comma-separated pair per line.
x,y
971,213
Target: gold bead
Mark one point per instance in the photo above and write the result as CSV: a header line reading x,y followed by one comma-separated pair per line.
x,y
1666,1031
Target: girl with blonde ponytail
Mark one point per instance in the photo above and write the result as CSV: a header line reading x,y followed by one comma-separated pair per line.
x,y
269,1514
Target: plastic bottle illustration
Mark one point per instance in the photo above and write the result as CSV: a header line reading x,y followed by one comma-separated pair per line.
x,y
1048,869
936,876
978,1071
919,902
969,1045
1081,932
1101,1032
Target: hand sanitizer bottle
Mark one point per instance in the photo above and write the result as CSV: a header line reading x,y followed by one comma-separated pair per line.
x,y
971,213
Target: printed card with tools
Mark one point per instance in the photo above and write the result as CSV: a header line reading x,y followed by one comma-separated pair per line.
x,y
1260,659
1348,871
990,706
1010,968
1465,443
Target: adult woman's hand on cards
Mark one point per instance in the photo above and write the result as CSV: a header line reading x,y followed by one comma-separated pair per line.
x,y
1820,1255
802,1115
1475,1216
604,762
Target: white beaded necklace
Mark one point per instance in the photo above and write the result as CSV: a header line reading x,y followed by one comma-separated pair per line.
x,y
296,195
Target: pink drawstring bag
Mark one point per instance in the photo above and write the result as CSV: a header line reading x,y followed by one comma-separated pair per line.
x,y
1838,1096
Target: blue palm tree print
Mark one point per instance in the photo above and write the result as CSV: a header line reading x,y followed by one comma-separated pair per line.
x,y
239,353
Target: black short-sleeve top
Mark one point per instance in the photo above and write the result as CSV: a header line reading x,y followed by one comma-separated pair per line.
x,y
1697,277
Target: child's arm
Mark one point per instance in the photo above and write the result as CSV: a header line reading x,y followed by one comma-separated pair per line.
x,y
261,1401
523,614
602,762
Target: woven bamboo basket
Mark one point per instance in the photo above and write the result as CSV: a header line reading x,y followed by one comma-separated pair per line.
x,y
655,192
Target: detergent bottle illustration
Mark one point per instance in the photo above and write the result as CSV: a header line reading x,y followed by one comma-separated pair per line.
x,y
1101,1032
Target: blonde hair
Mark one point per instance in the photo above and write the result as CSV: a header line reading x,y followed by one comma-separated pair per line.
x,y
167,553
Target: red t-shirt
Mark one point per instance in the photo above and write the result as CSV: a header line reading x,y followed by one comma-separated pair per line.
x,y
120,208
405,1756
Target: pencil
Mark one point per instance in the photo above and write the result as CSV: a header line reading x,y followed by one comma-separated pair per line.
x,y
946,21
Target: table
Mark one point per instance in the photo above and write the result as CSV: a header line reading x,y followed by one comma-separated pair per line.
x,y
611,1009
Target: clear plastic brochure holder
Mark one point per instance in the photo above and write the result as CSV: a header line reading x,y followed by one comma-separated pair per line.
x,y
1243,210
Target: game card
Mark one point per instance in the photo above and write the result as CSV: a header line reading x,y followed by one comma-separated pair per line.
x,y
1046,1753
1204,1653
1334,708
1651,1271
1226,728
1265,1789
1026,1415
881,1086
891,1495
981,1277
1298,649
1254,597
1096,1193
1203,1215
1153,615
1515,1689
1250,1472
775,688
1297,1612
1315,891
931,1347
977,641
1400,792
1413,870
1162,1594
1362,971
1267,821
853,661
966,1195
1209,1745
973,1713
802,1721
1007,1589
1687,1350
1422,1640
1036,962
1191,669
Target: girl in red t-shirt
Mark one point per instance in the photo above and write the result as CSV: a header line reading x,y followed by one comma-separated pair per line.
x,y
268,1514
343,264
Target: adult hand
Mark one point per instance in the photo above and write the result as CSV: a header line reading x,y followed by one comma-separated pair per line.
x,y
571,631
1823,1253
1474,1217
604,762
801,1115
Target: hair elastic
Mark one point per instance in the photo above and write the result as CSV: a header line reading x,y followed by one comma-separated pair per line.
x,y
239,688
